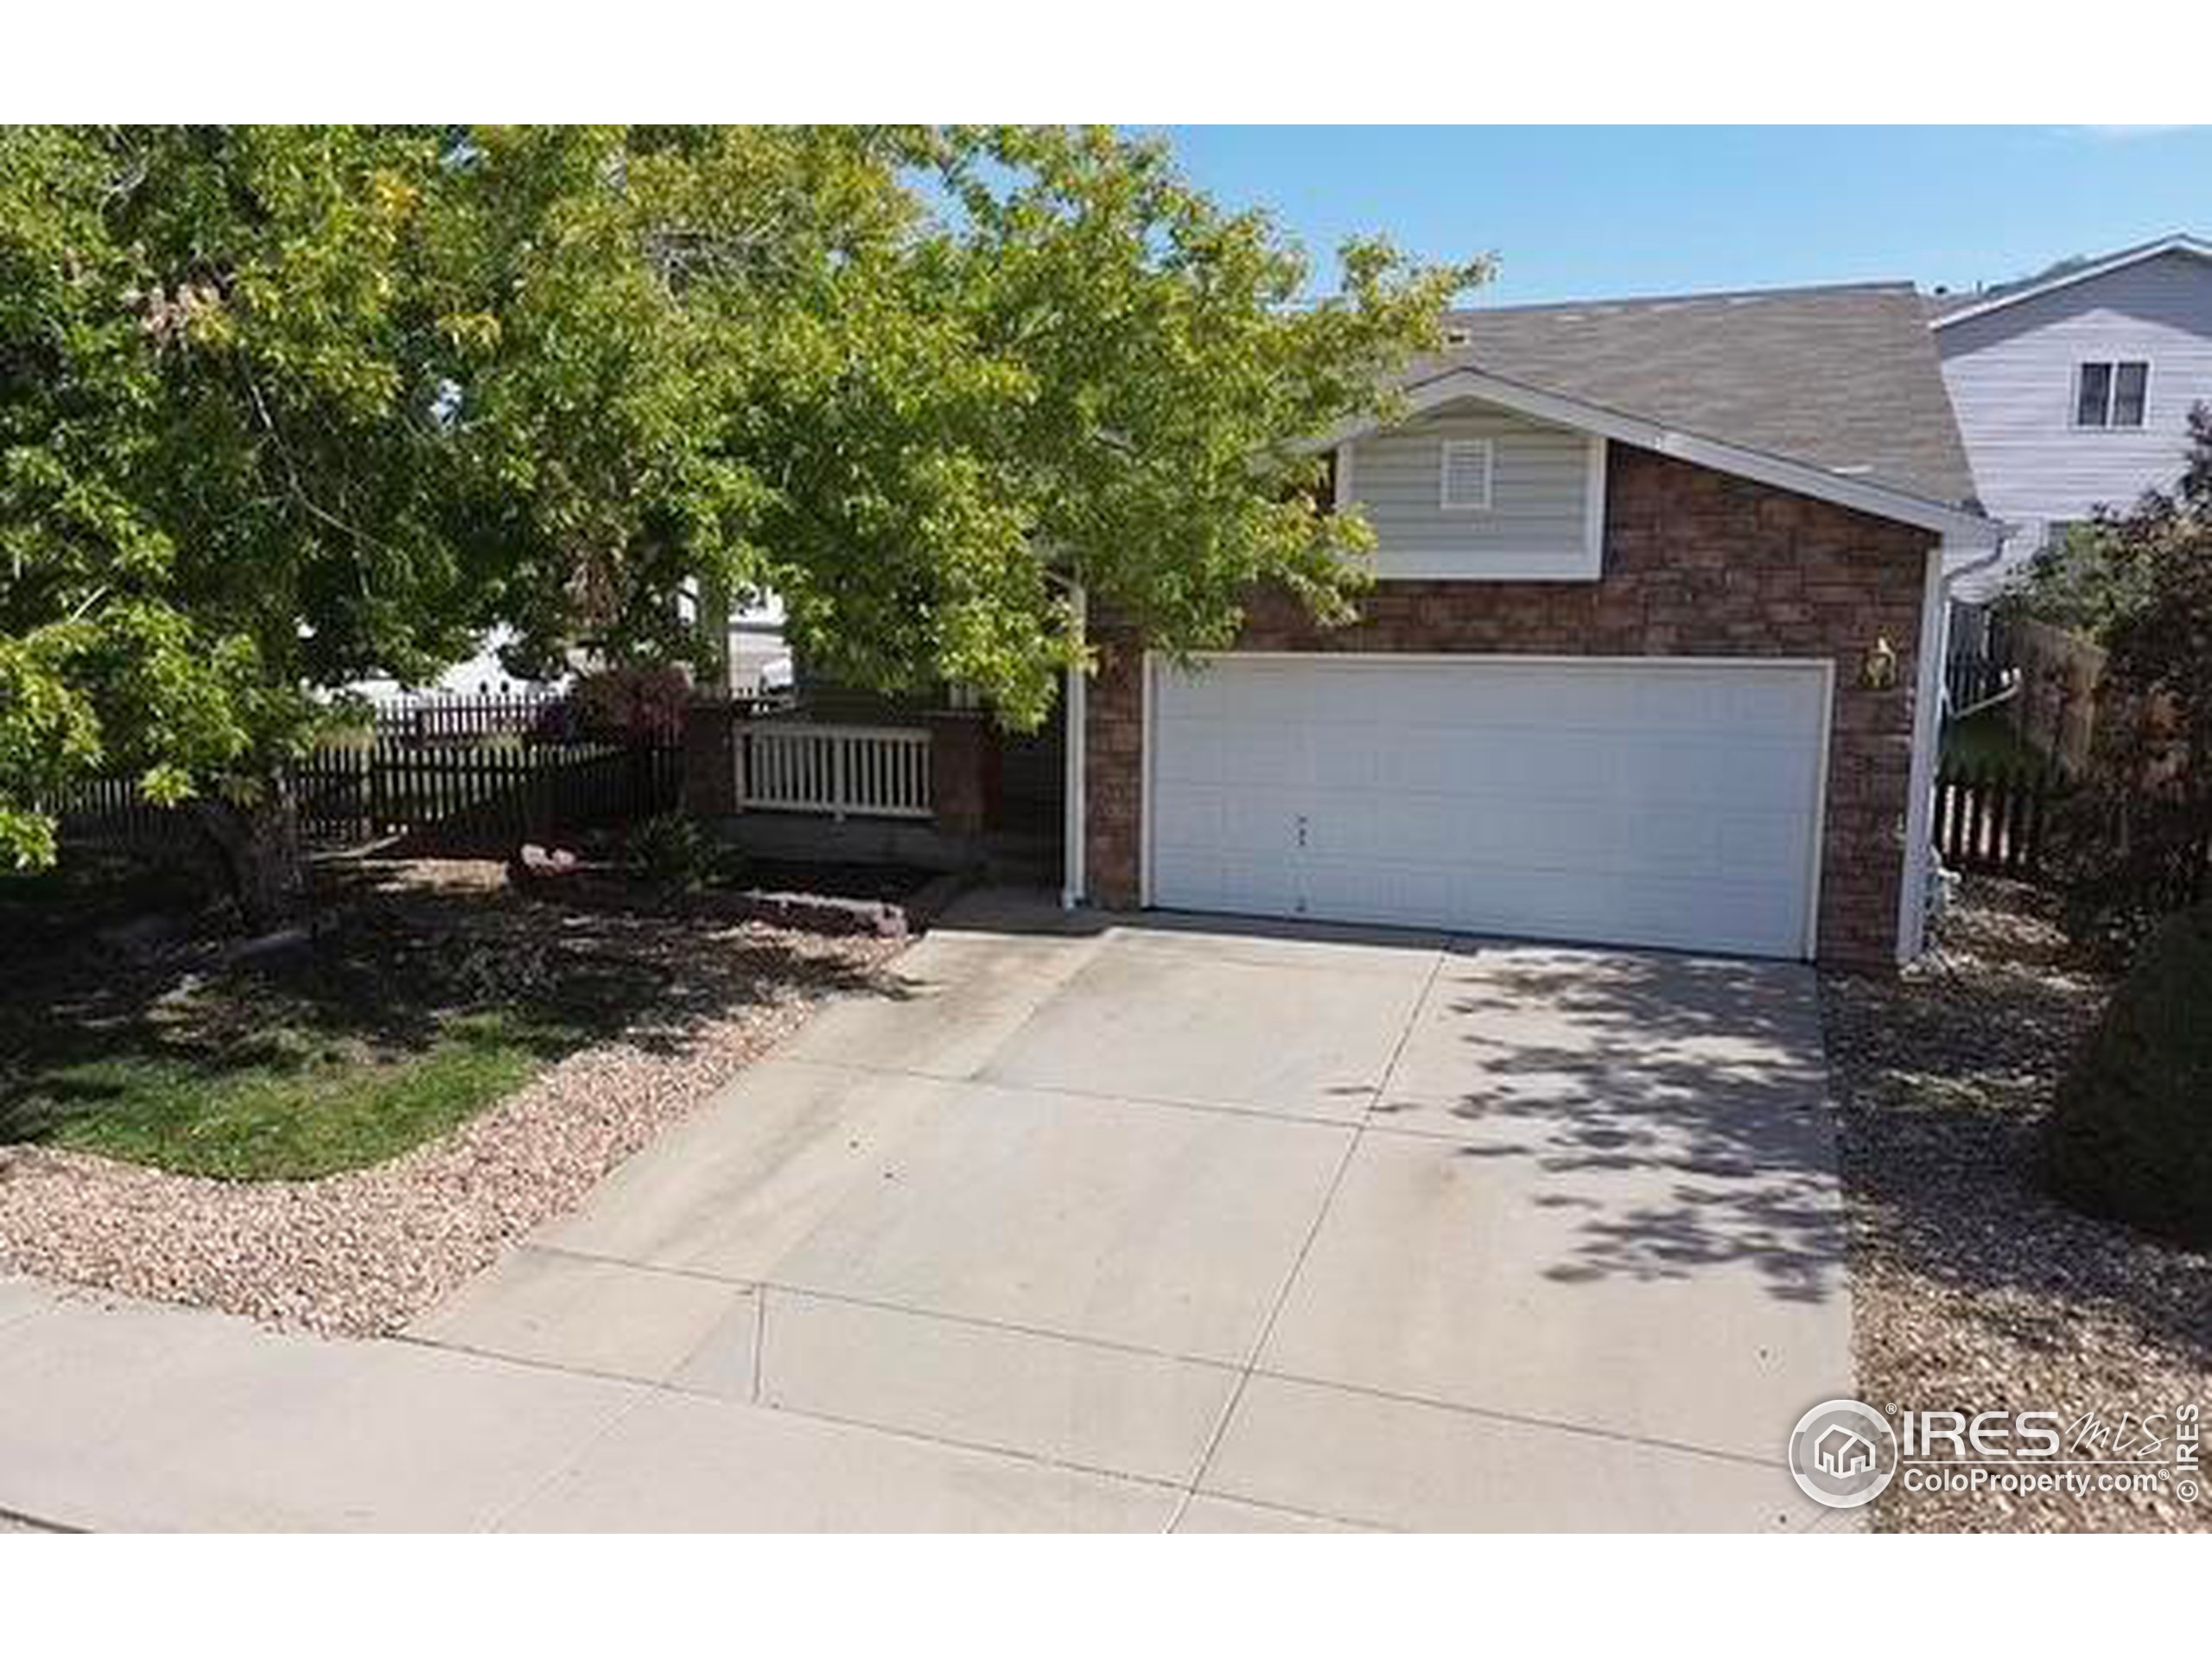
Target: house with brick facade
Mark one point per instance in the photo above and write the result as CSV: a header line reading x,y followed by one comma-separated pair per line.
x,y
1651,656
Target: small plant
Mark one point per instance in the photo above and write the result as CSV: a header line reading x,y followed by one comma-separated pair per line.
x,y
673,850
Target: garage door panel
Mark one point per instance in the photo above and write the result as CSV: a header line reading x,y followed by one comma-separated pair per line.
x,y
1520,834
1192,815
1780,703
1192,751
1772,847
1356,764
1229,819
1670,804
1246,887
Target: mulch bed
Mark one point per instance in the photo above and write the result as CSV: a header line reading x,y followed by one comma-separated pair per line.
x,y
1972,1290
689,1002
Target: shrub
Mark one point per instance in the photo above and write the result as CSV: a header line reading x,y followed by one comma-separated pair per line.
x,y
673,850
2131,1135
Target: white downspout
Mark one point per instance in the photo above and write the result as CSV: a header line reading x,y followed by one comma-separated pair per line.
x,y
1927,741
1075,885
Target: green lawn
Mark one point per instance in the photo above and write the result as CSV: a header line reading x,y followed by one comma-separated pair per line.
x,y
291,1104
1987,742
411,1012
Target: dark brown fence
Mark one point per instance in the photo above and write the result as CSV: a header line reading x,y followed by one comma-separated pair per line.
x,y
549,716
1995,820
109,814
483,796
460,776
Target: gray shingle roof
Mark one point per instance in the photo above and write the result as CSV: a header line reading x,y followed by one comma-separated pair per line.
x,y
1846,379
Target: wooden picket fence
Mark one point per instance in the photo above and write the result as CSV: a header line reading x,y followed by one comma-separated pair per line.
x,y
1995,820
1998,821
112,814
469,776
484,796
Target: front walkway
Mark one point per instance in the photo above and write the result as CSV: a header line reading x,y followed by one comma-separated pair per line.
x,y
1175,1224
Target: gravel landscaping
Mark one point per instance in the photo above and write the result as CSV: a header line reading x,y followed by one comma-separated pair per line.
x,y
689,1003
1972,1289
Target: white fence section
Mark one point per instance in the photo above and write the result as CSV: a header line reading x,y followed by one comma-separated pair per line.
x,y
866,771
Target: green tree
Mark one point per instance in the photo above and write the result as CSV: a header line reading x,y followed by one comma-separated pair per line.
x,y
2135,837
281,408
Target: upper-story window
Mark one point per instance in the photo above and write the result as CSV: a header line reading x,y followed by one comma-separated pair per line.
x,y
1464,485
2111,394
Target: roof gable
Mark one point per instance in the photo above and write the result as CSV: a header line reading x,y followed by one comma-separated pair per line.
x,y
1834,392
1954,308
1447,385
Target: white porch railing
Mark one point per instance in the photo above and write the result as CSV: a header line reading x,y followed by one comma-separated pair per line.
x,y
867,772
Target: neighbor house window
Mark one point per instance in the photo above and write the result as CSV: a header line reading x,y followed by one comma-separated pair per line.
x,y
2111,394
1465,486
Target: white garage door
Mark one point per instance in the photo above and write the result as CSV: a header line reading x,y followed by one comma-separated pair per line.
x,y
1629,801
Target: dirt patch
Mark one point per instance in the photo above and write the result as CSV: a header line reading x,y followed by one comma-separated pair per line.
x,y
1973,1289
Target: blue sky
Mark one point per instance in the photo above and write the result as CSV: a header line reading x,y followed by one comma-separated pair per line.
x,y
1584,213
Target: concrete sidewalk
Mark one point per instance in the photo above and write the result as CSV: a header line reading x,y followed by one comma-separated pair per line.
x,y
1174,1223
129,1416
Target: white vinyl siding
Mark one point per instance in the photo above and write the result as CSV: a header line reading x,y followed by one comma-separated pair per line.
x,y
1628,801
1539,487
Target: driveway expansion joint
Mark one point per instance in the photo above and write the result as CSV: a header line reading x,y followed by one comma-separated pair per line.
x,y
1306,1245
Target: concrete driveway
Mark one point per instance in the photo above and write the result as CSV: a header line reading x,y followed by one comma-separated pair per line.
x,y
1196,1224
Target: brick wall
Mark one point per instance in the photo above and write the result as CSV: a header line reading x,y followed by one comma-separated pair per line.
x,y
1697,563
709,758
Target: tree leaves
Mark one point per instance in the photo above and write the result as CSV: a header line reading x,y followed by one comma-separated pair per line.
x,y
281,408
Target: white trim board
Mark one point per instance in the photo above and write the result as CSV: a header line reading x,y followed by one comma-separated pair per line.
x,y
1451,385
2196,247
1927,735
1075,715
1824,667
1148,776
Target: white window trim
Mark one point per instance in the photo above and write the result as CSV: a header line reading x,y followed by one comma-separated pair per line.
x,y
2112,395
1488,451
1075,876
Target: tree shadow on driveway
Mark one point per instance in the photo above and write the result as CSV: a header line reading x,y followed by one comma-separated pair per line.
x,y
1673,1109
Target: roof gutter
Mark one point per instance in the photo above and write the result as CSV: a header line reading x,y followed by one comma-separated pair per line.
x,y
1916,892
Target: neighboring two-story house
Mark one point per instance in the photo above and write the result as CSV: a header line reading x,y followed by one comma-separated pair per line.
x,y
2073,391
